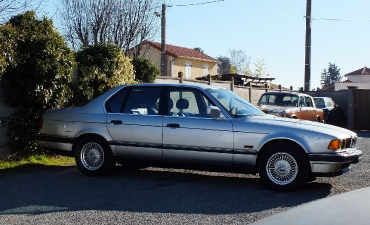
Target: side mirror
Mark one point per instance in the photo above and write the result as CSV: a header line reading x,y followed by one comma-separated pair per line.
x,y
213,111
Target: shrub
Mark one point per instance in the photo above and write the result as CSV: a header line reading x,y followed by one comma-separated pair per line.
x,y
38,78
101,67
145,71
7,45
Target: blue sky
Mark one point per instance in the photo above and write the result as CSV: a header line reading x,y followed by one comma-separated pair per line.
x,y
274,30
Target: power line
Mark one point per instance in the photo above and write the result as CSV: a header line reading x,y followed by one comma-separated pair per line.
x,y
201,3
350,20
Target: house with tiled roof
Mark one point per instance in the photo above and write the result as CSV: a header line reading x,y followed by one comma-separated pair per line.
x,y
359,78
191,62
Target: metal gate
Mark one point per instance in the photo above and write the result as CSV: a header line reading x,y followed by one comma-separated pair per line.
x,y
361,109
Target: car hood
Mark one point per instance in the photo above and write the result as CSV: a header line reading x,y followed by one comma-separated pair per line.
x,y
296,125
274,108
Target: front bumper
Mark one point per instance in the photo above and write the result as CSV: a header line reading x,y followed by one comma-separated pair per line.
x,y
334,164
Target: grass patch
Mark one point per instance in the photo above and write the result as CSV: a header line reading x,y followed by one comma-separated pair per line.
x,y
46,160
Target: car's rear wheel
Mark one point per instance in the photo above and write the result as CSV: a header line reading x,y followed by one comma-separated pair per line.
x,y
283,167
93,156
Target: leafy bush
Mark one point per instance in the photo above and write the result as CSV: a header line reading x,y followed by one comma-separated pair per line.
x,y
145,71
37,79
7,45
101,67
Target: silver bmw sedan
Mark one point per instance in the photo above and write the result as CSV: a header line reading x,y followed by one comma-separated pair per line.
x,y
197,127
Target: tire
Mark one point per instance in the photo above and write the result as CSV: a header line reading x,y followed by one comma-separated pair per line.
x,y
283,167
94,157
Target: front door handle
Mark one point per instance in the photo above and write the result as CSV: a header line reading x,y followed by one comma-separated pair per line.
x,y
116,122
173,125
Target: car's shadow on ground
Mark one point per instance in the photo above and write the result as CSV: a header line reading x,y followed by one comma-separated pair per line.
x,y
44,189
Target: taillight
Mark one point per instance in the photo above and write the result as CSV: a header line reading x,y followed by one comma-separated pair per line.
x,y
41,122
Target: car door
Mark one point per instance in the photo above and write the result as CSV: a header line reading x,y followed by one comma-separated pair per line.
x,y
134,123
312,112
304,111
190,135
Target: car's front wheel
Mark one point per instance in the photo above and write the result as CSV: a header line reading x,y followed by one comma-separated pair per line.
x,y
283,167
93,156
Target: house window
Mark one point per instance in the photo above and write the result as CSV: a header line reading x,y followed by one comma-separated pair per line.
x,y
188,70
205,70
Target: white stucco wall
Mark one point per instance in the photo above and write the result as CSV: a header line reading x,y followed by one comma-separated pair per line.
x,y
341,86
359,78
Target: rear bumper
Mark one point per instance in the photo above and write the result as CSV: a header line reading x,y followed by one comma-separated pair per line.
x,y
334,164
58,145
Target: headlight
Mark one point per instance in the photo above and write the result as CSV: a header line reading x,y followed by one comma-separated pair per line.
x,y
342,144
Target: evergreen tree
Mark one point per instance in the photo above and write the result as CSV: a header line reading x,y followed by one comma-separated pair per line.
x,y
330,75
224,65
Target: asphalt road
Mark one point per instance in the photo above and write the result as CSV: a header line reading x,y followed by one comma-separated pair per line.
x,y
62,195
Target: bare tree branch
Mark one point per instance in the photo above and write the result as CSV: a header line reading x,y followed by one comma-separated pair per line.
x,y
123,22
239,60
9,8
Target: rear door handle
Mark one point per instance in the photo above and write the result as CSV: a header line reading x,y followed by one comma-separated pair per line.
x,y
116,122
173,125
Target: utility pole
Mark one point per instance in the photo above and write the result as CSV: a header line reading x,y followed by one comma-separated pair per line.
x,y
307,74
163,42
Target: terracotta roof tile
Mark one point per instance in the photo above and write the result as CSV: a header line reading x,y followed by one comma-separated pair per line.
x,y
176,51
362,71
328,88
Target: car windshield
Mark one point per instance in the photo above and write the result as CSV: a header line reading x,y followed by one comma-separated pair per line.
x,y
234,104
279,99
323,102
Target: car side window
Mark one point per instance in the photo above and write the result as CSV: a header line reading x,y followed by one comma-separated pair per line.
x,y
301,101
187,103
319,102
267,99
143,101
308,102
290,100
114,104
330,103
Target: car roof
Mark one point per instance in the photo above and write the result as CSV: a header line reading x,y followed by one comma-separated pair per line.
x,y
286,92
200,85
323,97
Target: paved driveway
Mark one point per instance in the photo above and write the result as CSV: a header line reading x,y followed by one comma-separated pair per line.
x,y
61,195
